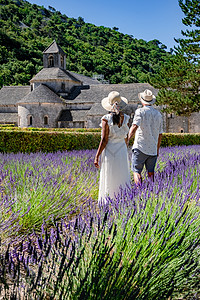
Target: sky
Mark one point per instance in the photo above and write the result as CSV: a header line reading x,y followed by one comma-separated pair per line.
x,y
143,19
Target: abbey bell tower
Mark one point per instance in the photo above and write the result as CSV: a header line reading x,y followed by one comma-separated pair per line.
x,y
54,57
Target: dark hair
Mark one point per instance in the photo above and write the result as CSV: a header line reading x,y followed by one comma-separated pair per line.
x,y
116,118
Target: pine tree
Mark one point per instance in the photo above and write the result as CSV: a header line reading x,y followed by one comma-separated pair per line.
x,y
178,84
190,45
178,80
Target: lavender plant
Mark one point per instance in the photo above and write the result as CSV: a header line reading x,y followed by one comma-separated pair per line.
x,y
144,244
40,186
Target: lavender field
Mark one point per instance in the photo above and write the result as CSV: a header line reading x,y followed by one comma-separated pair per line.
x,y
56,243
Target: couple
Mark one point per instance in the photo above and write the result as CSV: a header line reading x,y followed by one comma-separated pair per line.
x,y
115,136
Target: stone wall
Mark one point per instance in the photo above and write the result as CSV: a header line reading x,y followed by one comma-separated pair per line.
x,y
71,124
38,113
194,123
93,122
56,58
178,124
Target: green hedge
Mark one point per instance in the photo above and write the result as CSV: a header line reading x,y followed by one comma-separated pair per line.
x,y
15,128
179,139
51,141
23,141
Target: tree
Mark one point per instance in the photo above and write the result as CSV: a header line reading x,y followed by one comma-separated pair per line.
x,y
26,30
178,84
190,45
178,79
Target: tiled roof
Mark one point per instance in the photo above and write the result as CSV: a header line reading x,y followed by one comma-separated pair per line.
x,y
99,91
79,115
85,79
42,94
8,118
98,110
53,48
73,115
53,74
10,95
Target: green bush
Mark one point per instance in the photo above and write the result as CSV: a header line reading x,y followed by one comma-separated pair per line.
x,y
178,139
10,127
71,139
27,141
5,126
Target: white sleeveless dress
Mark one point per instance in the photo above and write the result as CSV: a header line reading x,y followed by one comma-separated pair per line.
x,y
114,165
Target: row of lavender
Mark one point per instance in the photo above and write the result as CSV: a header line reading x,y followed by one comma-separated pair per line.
x,y
56,243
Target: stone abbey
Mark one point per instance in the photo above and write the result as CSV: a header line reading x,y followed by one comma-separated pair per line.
x,y
58,98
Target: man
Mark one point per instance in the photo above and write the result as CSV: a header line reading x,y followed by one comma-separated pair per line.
x,y
147,127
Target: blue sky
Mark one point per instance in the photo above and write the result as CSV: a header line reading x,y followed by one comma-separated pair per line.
x,y
144,19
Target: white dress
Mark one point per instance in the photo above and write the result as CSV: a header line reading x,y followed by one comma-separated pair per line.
x,y
114,165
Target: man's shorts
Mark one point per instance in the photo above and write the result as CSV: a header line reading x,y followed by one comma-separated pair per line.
x,y
139,159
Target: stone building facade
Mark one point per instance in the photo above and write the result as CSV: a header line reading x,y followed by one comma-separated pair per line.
x,y
183,123
40,108
57,97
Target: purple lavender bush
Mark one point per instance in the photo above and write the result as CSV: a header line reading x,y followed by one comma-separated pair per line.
x,y
42,187
144,244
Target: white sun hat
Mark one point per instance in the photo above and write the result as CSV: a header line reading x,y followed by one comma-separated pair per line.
x,y
114,97
147,97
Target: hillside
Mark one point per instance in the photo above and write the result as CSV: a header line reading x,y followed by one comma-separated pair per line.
x,y
26,30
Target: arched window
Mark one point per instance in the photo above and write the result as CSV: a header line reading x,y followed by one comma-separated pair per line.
x,y
30,120
182,131
62,61
46,120
50,61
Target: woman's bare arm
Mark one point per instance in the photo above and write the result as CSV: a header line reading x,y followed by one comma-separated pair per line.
x,y
132,131
103,142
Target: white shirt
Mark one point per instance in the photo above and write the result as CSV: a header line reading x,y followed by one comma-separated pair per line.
x,y
150,125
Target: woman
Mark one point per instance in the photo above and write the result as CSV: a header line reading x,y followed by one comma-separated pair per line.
x,y
114,171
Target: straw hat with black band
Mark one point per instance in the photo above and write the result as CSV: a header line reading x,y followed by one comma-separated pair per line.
x,y
147,97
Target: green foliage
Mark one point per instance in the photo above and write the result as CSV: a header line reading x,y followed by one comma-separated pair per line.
x,y
190,44
127,262
179,139
178,79
13,127
178,84
26,30
27,141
